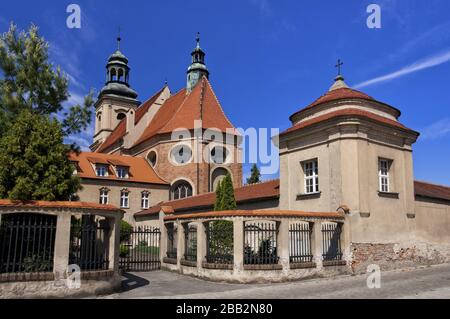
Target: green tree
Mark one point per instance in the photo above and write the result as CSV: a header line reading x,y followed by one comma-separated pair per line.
x,y
218,202
255,176
33,160
28,81
228,201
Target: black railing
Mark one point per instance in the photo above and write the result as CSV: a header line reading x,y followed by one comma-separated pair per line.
x,y
27,243
331,240
171,241
190,248
89,243
300,243
260,243
139,250
219,236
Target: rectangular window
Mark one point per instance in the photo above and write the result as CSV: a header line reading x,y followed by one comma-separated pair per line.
x,y
122,172
145,200
103,196
383,175
311,173
124,199
101,170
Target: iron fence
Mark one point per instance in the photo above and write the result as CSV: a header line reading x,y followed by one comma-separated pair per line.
x,y
219,236
171,241
300,250
140,248
190,248
260,243
89,243
27,243
331,240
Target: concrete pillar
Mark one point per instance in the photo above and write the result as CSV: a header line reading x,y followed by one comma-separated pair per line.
x,y
201,243
238,244
180,243
283,243
62,245
316,243
114,243
163,239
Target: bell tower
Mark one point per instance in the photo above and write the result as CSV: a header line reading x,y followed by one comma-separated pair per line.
x,y
197,69
116,100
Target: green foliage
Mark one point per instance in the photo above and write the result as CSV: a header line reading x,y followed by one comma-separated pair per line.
x,y
225,199
255,176
36,263
125,231
33,160
28,81
221,239
124,251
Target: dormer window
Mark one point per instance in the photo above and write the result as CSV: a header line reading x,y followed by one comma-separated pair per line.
x,y
122,172
101,170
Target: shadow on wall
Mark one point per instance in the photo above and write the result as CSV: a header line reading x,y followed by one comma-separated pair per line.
x,y
133,282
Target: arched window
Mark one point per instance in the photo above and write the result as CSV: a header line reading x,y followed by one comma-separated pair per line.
x,y
217,176
181,189
121,116
152,157
113,74
120,75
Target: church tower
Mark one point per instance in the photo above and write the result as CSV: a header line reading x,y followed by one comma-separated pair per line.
x,y
197,69
116,100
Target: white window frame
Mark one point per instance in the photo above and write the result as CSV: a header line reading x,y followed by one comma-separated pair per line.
x,y
104,196
383,175
124,169
97,169
311,174
124,198
145,199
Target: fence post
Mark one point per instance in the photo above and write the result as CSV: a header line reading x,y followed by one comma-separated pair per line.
x,y
283,243
62,245
316,244
238,245
180,243
163,242
114,243
201,243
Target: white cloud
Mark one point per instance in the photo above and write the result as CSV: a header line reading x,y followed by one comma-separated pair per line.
x,y
82,142
75,99
437,130
423,64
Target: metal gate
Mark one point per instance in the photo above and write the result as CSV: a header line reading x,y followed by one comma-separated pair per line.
x,y
139,249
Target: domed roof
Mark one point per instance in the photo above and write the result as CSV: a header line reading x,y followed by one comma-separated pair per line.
x,y
118,56
118,88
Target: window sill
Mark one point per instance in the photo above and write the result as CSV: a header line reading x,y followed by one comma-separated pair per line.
x,y
308,196
388,195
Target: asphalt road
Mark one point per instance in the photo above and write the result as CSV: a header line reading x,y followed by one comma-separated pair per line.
x,y
428,282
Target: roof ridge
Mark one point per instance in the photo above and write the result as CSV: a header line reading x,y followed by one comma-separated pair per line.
x,y
178,110
434,184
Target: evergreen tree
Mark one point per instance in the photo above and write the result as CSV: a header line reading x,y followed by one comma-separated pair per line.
x,y
218,203
228,201
255,176
33,160
28,81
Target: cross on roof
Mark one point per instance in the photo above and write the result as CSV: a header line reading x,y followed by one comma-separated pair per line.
x,y
118,40
339,66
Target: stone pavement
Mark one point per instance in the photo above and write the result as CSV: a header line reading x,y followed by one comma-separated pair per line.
x,y
426,282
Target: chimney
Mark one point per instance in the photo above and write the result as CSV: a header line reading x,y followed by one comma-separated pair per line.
x,y
130,120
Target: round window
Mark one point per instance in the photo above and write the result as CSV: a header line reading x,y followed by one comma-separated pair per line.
x,y
219,154
181,154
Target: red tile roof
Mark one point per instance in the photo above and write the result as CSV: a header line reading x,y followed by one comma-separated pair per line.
x,y
121,128
347,113
248,193
257,213
57,204
433,191
341,94
139,170
181,110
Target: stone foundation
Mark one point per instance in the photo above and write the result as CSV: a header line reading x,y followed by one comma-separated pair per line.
x,y
397,255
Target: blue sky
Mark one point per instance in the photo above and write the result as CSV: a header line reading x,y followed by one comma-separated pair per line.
x,y
267,58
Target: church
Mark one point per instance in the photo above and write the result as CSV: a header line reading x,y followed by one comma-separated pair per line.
x,y
345,152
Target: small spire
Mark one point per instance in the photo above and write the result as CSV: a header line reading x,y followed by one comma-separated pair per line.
x,y
197,38
339,66
339,80
118,40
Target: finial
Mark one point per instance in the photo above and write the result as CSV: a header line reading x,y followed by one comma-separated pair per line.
x,y
198,39
118,40
165,82
338,66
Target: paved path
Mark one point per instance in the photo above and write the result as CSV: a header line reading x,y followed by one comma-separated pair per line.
x,y
429,282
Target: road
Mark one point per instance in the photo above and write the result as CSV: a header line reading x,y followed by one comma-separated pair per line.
x,y
427,282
